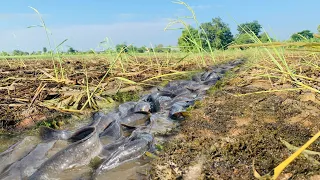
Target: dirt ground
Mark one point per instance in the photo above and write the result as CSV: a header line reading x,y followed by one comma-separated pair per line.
x,y
226,133
30,93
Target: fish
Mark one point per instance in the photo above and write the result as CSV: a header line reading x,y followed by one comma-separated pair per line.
x,y
47,134
17,151
220,70
178,110
213,76
178,83
154,101
135,119
29,164
160,123
163,102
111,148
126,108
85,145
205,75
101,121
142,107
196,77
132,148
113,131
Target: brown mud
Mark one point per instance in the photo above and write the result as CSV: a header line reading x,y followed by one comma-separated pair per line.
x,y
31,93
226,133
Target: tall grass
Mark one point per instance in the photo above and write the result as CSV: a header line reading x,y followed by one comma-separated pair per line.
x,y
196,41
59,77
275,52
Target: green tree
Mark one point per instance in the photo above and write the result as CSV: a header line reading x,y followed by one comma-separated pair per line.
x,y
122,47
248,27
71,50
264,37
17,53
159,48
243,39
3,53
189,39
218,34
305,34
44,50
132,49
319,29
141,49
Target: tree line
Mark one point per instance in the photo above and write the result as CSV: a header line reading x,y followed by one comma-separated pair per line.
x,y
217,35
210,35
123,47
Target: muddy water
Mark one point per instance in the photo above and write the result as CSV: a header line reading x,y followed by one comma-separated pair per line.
x,y
165,113
135,169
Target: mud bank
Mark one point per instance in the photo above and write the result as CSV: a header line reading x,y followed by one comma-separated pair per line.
x,y
226,133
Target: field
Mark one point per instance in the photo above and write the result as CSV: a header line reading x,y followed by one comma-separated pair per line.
x,y
246,116
254,118
33,90
258,122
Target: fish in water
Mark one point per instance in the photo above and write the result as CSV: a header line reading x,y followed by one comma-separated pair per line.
x,y
47,133
101,121
29,164
136,145
126,108
178,109
154,102
142,107
109,149
84,147
17,151
135,119
113,131
196,77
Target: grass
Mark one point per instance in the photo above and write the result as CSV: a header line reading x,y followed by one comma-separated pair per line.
x,y
277,66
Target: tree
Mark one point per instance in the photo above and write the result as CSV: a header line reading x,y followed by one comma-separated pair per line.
x,y
44,50
189,39
160,48
141,49
18,53
264,37
249,27
217,33
132,49
243,39
122,47
319,29
305,34
71,50
3,53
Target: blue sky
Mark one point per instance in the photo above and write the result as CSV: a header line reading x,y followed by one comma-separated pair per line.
x,y
140,22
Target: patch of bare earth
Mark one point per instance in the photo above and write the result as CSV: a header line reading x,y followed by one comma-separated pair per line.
x,y
228,132
31,93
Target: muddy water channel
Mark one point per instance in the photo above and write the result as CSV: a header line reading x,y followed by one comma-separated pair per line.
x,y
113,145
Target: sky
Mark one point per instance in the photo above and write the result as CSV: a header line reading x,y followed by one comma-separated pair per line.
x,y
86,23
